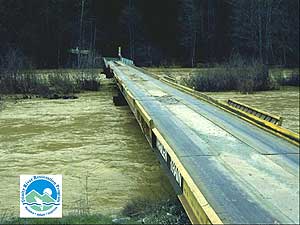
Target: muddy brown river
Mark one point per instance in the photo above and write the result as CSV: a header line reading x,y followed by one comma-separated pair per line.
x,y
98,148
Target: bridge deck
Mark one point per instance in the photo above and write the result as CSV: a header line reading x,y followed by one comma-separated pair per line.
x,y
246,174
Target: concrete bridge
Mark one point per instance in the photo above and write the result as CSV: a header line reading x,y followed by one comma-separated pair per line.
x,y
227,163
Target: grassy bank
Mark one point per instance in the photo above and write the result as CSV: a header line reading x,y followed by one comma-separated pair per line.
x,y
49,84
138,211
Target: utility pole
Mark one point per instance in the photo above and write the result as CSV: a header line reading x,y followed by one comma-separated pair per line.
x,y
80,37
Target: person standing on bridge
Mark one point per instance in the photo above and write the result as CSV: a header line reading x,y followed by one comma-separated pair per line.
x,y
119,52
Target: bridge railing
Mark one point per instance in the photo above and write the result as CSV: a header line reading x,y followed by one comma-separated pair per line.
x,y
277,120
122,59
127,61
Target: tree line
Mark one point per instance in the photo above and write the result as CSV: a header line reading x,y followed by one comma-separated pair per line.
x,y
180,32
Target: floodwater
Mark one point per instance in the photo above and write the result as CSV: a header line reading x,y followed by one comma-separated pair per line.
x,y
98,148
283,102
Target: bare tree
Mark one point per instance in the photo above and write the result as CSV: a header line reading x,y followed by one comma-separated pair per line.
x,y
189,25
131,19
12,61
262,28
140,48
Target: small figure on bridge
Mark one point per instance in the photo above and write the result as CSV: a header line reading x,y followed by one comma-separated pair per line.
x,y
119,52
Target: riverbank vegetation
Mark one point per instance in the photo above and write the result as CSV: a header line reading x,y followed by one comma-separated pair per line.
x,y
246,77
292,78
163,212
17,76
53,85
238,74
138,211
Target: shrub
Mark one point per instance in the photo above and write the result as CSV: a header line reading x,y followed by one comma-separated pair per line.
x,y
13,81
237,74
156,212
61,84
292,80
88,81
47,85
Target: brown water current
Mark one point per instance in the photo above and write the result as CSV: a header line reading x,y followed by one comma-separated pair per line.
x,y
98,148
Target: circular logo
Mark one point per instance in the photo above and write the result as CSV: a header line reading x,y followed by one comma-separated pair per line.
x,y
40,195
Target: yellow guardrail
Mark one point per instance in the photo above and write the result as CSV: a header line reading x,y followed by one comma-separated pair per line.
x,y
195,204
256,112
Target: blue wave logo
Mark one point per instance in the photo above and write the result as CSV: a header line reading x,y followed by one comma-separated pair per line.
x,y
40,195
34,203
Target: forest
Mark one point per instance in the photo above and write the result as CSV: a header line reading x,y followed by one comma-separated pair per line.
x,y
189,33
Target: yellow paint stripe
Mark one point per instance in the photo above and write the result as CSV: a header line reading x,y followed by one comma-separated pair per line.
x,y
130,99
129,94
144,114
118,79
189,210
209,211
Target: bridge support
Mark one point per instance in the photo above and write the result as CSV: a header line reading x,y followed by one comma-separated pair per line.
x,y
108,72
119,99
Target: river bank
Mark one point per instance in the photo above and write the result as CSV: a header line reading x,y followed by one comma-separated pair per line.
x,y
51,84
